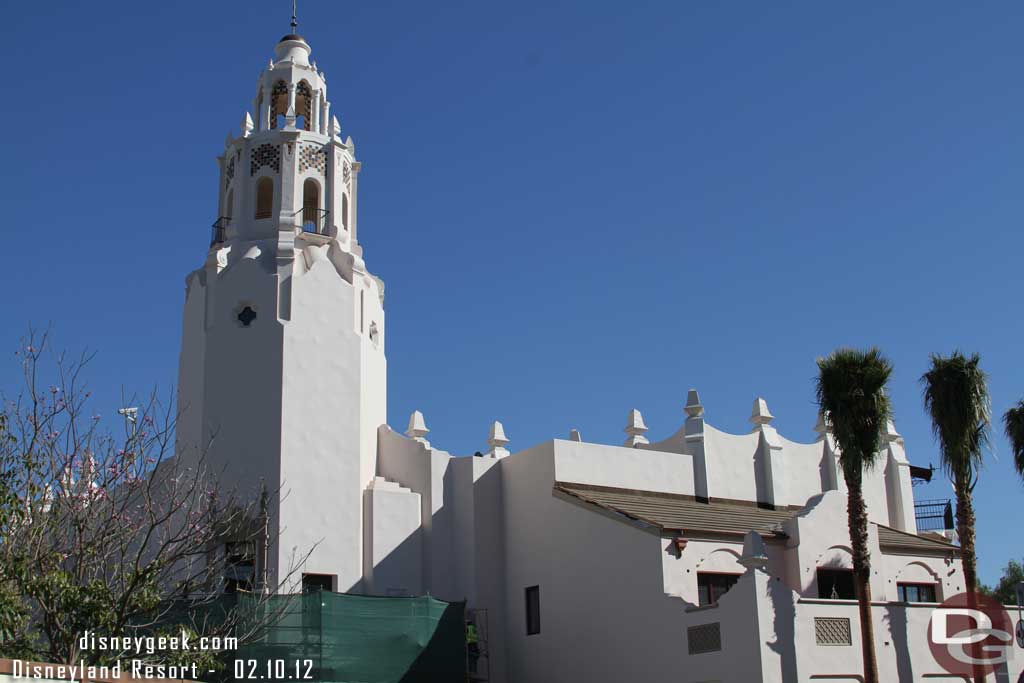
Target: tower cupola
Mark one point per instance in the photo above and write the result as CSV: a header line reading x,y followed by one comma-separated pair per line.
x,y
293,48
289,171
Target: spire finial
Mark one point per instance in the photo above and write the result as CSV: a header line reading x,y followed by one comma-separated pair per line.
x,y
295,21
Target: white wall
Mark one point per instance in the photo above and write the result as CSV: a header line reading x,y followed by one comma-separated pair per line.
x,y
425,471
618,466
293,400
240,378
321,426
604,615
393,548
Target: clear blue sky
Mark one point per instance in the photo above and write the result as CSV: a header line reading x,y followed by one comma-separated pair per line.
x,y
578,207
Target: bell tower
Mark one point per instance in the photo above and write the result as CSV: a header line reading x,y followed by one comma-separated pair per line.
x,y
298,171
282,376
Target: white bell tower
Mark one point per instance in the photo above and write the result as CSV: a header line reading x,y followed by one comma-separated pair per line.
x,y
282,375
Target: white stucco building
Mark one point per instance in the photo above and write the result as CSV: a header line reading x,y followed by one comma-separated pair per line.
x,y
579,561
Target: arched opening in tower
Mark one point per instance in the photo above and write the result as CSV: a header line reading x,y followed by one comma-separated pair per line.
x,y
264,197
278,104
303,105
311,214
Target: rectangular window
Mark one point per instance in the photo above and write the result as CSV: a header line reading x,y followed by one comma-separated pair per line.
x,y
710,587
836,584
312,583
239,567
916,592
532,610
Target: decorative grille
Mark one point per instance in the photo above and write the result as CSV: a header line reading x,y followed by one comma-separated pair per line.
x,y
312,156
265,155
704,638
832,631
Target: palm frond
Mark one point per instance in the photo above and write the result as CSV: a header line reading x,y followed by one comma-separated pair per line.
x,y
1013,421
956,397
851,394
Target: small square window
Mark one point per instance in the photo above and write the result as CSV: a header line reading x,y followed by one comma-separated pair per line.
x,y
836,584
916,592
239,567
711,587
532,610
312,583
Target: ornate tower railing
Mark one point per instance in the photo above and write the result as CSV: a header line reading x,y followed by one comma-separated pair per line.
x,y
219,232
314,220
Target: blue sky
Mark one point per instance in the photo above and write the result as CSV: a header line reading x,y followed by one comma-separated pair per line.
x,y
578,207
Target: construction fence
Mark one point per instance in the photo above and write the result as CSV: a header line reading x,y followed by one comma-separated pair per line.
x,y
340,638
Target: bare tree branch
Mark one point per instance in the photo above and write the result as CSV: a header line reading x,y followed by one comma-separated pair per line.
x,y
113,534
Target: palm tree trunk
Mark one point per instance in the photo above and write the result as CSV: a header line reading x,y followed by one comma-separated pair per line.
x,y
858,521
965,530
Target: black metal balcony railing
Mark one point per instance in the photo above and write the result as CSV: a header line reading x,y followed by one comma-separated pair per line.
x,y
220,227
314,220
933,515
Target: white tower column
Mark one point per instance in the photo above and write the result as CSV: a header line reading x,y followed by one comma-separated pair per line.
x,y
264,112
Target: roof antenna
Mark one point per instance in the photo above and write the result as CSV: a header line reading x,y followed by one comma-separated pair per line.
x,y
295,22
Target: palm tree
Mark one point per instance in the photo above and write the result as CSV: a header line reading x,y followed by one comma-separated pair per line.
x,y
956,396
1013,420
851,395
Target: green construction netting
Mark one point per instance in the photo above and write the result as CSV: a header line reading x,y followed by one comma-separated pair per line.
x,y
360,639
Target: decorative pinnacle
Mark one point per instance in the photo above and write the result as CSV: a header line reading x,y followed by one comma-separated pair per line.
x,y
890,432
760,415
635,428
295,21
497,435
497,441
821,426
693,407
417,430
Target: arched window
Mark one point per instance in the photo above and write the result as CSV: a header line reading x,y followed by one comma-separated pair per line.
x,y
344,211
311,213
278,103
264,197
303,105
